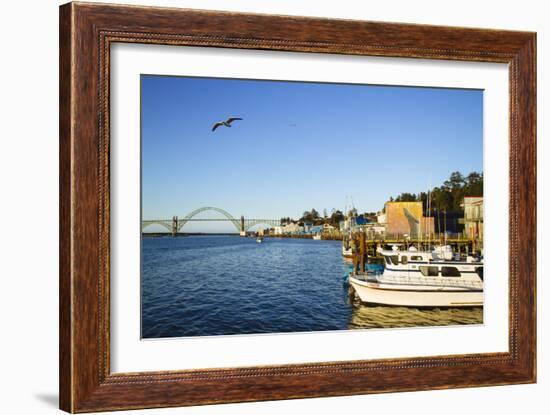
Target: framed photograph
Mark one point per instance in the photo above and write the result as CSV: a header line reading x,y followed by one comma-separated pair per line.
x,y
258,207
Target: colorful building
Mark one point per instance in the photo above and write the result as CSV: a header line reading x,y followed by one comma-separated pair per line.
x,y
407,218
473,217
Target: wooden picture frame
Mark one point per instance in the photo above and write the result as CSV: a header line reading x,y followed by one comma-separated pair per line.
x,y
86,33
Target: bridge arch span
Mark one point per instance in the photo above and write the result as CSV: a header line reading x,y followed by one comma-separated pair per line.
x,y
164,223
186,218
250,223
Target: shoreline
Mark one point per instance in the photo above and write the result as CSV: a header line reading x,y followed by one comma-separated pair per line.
x,y
184,234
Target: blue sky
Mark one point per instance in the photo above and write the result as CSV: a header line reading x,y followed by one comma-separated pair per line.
x,y
299,146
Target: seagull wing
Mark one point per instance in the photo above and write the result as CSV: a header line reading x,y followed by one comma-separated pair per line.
x,y
230,120
217,125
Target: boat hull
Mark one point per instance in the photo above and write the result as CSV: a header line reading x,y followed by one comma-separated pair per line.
x,y
347,253
376,293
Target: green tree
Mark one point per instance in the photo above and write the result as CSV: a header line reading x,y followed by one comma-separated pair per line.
x,y
336,217
311,217
474,184
306,217
406,197
450,195
456,181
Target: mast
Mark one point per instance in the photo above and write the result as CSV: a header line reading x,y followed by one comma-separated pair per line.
x,y
429,203
445,225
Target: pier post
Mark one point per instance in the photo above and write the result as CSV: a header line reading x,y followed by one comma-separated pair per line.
x,y
174,225
242,233
362,246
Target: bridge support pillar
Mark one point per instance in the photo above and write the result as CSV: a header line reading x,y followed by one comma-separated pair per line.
x,y
243,232
174,225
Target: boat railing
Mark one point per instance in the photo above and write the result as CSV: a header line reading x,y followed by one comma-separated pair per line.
x,y
437,281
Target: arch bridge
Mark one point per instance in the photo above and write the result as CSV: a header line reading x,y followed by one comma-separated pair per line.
x,y
176,224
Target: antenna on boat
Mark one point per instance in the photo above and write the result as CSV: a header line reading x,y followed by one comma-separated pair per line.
x,y
445,226
429,207
439,224
345,207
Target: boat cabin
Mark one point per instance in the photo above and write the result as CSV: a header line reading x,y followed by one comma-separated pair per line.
x,y
441,262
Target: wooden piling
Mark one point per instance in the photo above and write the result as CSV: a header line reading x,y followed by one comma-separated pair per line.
x,y
362,251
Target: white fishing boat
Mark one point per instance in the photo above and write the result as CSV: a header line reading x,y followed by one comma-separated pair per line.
x,y
259,239
347,253
415,278
317,237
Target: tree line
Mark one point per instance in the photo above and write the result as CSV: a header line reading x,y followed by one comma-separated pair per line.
x,y
314,218
447,197
450,195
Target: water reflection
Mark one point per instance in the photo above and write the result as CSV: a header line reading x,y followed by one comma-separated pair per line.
x,y
371,316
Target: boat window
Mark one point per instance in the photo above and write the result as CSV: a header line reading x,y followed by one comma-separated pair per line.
x,y
404,259
416,258
394,259
387,258
450,272
429,271
479,271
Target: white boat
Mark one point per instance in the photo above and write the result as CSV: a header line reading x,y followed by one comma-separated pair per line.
x,y
347,253
317,237
259,240
423,279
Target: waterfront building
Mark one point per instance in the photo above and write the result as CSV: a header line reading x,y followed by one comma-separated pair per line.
x,y
407,218
375,230
381,218
352,221
292,228
372,230
361,220
473,217
316,229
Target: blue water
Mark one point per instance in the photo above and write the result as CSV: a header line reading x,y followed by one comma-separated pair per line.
x,y
219,285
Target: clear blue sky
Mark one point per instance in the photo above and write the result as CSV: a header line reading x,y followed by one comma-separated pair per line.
x,y
300,145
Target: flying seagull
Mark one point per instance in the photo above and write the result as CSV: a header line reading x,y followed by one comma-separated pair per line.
x,y
226,123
